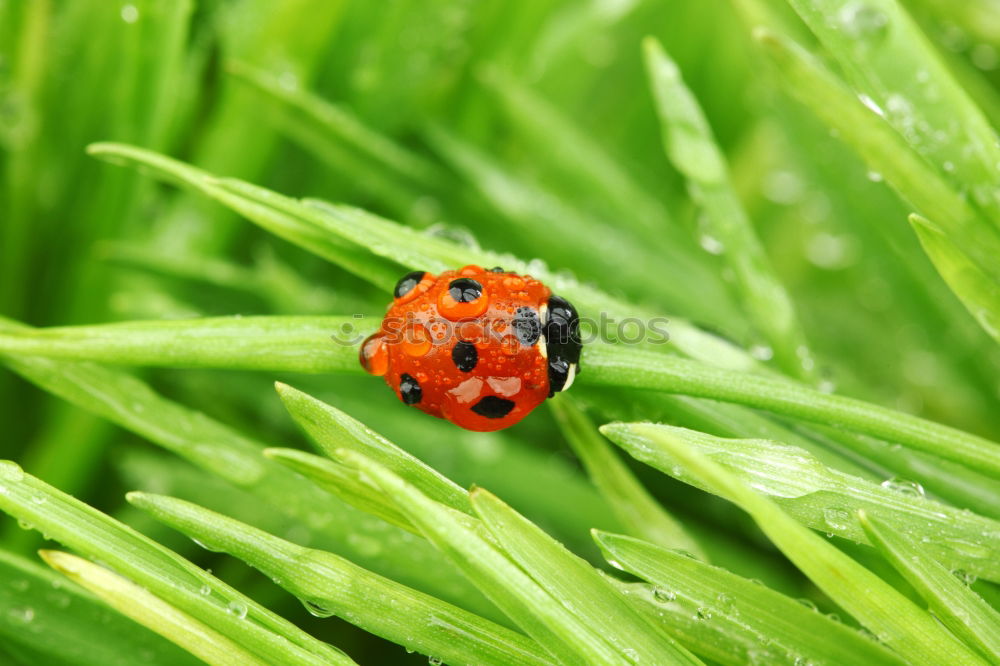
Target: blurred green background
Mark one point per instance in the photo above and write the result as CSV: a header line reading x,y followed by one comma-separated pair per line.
x,y
520,125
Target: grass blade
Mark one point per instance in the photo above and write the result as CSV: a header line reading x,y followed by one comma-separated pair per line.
x,y
150,611
979,293
827,500
893,618
159,570
637,510
884,151
342,481
330,585
737,612
635,368
690,145
577,585
950,600
527,603
888,58
374,248
283,344
230,455
334,430
77,628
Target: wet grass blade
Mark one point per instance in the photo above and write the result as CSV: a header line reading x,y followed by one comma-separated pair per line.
x,y
230,455
979,293
150,611
527,603
887,57
161,571
283,344
343,481
732,613
577,585
77,628
371,246
883,149
330,585
635,368
950,600
634,507
334,430
690,145
894,619
827,500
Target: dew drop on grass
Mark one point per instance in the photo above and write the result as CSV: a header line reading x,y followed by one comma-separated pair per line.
x,y
861,20
21,615
316,609
904,486
836,519
130,13
808,603
875,176
711,244
237,608
434,661
964,576
703,613
762,352
205,590
663,596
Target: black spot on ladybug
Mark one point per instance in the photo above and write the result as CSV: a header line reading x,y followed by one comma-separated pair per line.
x,y
409,389
465,356
493,407
497,269
407,283
527,326
558,374
562,330
465,290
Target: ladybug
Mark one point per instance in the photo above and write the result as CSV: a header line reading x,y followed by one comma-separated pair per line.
x,y
480,348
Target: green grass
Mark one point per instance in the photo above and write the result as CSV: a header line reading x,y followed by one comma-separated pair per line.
x,y
196,196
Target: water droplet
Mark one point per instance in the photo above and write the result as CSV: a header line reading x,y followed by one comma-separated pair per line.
x,y
808,603
21,615
871,104
984,57
316,609
663,596
205,590
711,244
434,661
25,525
861,20
837,519
237,608
904,486
762,352
130,13
703,613
875,176
964,576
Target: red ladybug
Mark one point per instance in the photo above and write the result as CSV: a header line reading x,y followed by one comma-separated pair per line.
x,y
481,348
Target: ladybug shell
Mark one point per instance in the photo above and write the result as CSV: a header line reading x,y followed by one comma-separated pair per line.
x,y
465,345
